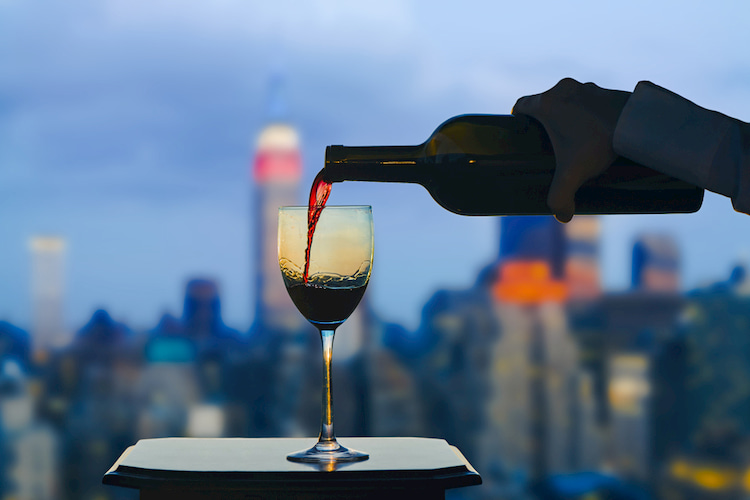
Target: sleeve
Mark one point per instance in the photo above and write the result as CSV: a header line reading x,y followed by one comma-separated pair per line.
x,y
672,135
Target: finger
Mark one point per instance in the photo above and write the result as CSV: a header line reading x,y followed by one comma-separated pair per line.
x,y
561,200
563,188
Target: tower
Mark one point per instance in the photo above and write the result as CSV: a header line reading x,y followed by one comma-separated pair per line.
x,y
532,260
582,261
656,263
48,289
534,359
276,171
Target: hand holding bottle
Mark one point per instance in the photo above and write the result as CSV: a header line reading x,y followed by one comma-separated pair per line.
x,y
580,120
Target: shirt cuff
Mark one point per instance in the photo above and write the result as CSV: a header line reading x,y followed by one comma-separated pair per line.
x,y
672,135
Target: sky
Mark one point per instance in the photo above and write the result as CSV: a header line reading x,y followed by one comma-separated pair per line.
x,y
128,128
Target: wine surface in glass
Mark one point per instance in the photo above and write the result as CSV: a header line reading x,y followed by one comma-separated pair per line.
x,y
322,305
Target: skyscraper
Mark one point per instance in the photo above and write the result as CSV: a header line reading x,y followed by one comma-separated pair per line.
x,y
276,171
48,291
534,391
582,262
283,333
656,262
201,315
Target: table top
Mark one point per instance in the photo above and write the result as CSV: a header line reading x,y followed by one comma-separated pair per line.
x,y
235,463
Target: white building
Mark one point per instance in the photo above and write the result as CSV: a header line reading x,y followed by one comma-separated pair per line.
x,y
48,292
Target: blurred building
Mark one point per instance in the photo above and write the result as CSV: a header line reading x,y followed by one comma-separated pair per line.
x,y
656,264
501,377
534,239
588,485
167,384
48,292
702,396
202,322
183,386
209,412
278,329
29,449
582,311
89,398
277,170
394,404
622,336
535,383
581,272
629,394
458,328
15,344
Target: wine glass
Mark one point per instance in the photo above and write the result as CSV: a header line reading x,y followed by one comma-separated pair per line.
x,y
339,261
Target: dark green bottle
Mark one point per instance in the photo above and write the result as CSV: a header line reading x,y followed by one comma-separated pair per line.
x,y
503,165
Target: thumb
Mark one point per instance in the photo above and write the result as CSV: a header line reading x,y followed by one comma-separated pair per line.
x,y
528,105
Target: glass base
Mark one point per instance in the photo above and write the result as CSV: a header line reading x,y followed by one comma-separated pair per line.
x,y
327,451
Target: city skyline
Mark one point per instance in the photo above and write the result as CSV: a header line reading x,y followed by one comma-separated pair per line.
x,y
534,373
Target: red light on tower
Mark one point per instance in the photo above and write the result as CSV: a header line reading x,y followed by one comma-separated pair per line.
x,y
277,158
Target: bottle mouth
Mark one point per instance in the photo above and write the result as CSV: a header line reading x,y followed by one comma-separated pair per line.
x,y
334,154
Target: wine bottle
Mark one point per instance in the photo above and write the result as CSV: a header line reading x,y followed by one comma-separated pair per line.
x,y
503,165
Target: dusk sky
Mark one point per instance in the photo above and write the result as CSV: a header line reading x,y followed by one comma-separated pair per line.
x,y
128,128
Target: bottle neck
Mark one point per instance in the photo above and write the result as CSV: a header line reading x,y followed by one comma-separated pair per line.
x,y
373,163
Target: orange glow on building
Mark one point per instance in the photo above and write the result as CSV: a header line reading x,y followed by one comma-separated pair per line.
x,y
528,283
746,480
710,478
707,476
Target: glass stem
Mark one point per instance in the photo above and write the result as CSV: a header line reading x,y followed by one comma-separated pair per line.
x,y
326,424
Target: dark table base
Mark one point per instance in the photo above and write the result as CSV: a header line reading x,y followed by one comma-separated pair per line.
x,y
257,469
348,494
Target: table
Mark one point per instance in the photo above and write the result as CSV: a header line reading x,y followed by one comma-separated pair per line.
x,y
257,469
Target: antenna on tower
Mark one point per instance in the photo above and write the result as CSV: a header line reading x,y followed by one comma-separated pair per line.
x,y
276,104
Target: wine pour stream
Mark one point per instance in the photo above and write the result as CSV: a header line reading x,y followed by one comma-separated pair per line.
x,y
319,193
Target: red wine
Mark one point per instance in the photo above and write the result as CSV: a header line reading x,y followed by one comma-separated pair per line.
x,y
319,193
503,165
323,305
